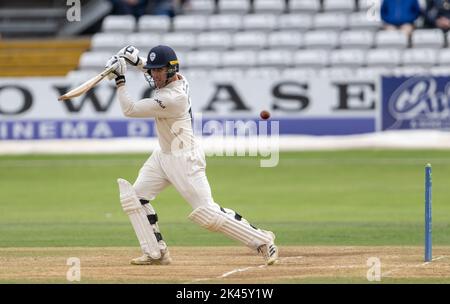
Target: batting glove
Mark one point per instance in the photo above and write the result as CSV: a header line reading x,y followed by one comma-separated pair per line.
x,y
131,55
120,67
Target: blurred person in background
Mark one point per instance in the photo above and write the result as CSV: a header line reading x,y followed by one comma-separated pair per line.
x,y
437,14
400,14
137,8
180,5
162,7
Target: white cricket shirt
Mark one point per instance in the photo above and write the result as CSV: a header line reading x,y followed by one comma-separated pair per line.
x,y
171,108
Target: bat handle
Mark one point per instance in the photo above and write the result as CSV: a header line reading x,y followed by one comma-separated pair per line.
x,y
109,70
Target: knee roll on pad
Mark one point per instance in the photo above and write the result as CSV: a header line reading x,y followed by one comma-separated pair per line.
x,y
138,218
214,218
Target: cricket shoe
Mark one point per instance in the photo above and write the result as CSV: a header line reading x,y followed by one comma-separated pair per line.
x,y
165,259
269,251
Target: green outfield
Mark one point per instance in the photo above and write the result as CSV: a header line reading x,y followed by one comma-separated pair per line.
x,y
365,198
310,198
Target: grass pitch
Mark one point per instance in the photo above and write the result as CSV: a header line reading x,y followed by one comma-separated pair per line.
x,y
344,198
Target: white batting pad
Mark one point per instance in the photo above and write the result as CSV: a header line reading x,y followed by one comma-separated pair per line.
x,y
213,218
149,210
138,218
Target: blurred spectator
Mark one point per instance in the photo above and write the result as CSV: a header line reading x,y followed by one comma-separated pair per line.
x,y
180,5
400,14
137,8
184,5
162,7
437,14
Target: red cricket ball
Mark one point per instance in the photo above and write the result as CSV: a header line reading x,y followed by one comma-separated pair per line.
x,y
264,114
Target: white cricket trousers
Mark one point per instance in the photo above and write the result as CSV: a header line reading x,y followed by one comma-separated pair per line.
x,y
185,170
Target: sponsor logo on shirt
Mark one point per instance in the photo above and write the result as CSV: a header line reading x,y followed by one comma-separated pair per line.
x,y
160,103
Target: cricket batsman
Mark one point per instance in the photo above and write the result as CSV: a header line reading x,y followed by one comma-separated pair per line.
x,y
179,161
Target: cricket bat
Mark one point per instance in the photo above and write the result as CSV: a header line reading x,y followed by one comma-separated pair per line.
x,y
86,86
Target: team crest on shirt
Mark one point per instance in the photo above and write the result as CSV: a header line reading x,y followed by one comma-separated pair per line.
x,y
152,56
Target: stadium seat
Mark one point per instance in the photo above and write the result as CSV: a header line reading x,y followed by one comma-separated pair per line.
x,y
229,22
180,41
443,57
391,39
346,6
269,6
448,39
360,21
199,7
427,38
133,73
80,75
26,19
409,71
298,22
419,57
298,73
122,24
311,58
347,58
372,72
227,74
356,39
239,59
262,22
320,39
330,21
195,73
303,6
249,40
41,57
150,23
383,57
203,59
274,58
264,73
94,60
107,41
336,72
440,70
190,23
234,7
285,40
214,40
181,55
366,5
144,41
